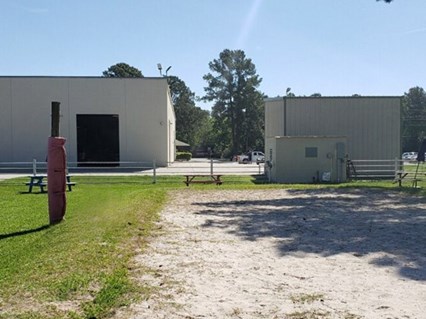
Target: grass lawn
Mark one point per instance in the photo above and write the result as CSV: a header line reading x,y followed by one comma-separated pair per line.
x,y
80,268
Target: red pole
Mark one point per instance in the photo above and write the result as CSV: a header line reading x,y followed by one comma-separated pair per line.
x,y
56,170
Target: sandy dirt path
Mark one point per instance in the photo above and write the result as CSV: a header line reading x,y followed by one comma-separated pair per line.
x,y
287,254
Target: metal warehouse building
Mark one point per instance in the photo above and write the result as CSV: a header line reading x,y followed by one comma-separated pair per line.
x,y
103,119
370,127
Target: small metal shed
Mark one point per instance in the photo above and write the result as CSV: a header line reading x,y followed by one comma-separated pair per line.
x,y
306,159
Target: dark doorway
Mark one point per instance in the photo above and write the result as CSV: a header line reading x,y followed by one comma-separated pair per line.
x,y
97,139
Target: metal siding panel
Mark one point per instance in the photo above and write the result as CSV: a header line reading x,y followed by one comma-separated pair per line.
x,y
274,118
371,124
292,166
148,125
32,98
6,127
141,105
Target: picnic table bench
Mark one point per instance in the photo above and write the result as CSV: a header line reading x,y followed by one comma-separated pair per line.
x,y
41,181
407,176
207,179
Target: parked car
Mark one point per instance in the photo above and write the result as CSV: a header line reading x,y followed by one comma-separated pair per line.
x,y
254,156
409,156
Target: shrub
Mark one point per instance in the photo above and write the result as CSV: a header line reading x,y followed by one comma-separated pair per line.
x,y
183,156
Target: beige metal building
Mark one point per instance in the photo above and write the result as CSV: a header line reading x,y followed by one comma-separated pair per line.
x,y
103,119
371,125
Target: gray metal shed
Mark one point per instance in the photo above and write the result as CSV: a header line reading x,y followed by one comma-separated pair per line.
x,y
306,159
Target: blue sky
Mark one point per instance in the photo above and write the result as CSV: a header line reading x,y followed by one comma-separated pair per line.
x,y
332,47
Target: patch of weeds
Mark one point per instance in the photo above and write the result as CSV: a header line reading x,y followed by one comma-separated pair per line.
x,y
111,296
236,312
55,314
69,286
168,306
348,315
315,314
307,298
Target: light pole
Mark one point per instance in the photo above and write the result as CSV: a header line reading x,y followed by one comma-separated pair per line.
x,y
160,68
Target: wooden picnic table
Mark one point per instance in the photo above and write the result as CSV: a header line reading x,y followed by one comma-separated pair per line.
x,y
207,179
408,175
40,180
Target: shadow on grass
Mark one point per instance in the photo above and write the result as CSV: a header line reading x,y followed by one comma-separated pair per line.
x,y
24,232
259,179
32,193
333,221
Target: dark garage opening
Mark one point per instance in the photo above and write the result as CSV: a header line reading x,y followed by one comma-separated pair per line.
x,y
97,139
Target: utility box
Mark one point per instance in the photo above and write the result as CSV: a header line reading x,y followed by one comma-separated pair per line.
x,y
306,159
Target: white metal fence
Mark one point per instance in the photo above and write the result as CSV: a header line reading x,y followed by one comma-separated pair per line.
x,y
91,168
373,169
193,167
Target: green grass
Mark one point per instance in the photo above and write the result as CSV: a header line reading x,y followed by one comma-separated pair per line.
x,y
85,258
80,268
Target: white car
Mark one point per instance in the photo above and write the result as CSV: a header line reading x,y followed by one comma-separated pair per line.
x,y
254,156
409,156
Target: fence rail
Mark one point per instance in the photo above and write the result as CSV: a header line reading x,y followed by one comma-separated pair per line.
x,y
40,167
193,167
373,169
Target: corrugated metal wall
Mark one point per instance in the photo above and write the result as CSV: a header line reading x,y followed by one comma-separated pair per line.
x,y
371,124
274,118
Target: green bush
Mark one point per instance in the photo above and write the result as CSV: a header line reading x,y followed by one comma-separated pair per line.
x,y
183,156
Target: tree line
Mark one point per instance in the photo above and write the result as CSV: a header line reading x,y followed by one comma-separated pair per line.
x,y
236,121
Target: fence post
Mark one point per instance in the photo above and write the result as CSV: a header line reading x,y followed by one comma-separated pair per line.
x,y
211,166
34,167
154,167
396,166
269,173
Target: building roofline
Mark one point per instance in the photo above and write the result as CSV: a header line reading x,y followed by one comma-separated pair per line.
x,y
280,98
75,77
307,136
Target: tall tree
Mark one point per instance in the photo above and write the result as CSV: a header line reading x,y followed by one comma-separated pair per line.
x,y
191,121
122,70
238,105
413,119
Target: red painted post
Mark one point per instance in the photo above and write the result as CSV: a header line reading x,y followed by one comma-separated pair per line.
x,y
56,170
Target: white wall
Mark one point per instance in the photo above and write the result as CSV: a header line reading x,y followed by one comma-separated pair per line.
x,y
143,106
171,120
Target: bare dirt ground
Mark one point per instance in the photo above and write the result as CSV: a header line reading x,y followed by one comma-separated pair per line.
x,y
287,254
